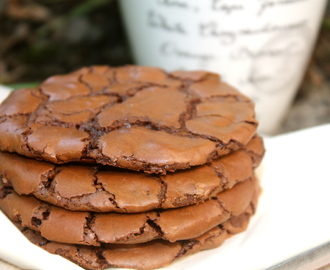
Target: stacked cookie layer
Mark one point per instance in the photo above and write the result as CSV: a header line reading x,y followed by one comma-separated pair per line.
x,y
129,167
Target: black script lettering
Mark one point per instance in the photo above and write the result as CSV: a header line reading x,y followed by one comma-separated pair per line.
x,y
256,80
173,3
265,5
218,5
171,49
211,30
247,54
157,20
274,28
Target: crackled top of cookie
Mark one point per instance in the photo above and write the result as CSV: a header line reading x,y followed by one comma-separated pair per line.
x,y
133,117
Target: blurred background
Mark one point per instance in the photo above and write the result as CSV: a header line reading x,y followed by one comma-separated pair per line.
x,y
40,38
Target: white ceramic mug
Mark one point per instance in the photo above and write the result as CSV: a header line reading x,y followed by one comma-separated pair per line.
x,y
259,46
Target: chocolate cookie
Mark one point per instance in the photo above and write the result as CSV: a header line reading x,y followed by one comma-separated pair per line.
x,y
105,188
89,228
132,117
145,256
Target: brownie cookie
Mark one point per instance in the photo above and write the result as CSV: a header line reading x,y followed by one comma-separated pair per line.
x,y
150,255
139,118
105,188
89,228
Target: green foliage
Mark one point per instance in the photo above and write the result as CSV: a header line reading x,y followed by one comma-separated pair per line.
x,y
22,85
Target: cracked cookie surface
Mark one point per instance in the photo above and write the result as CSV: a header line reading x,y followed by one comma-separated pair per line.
x,y
139,118
90,228
104,188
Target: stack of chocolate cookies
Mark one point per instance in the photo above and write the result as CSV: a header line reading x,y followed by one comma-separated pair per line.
x,y
130,166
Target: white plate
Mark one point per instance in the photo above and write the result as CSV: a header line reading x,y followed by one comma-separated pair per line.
x,y
4,91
